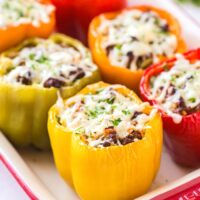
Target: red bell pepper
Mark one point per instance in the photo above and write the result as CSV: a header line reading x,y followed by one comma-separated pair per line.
x,y
73,16
182,139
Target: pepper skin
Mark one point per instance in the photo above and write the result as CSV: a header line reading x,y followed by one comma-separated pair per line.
x,y
73,16
24,108
13,35
116,74
115,172
182,139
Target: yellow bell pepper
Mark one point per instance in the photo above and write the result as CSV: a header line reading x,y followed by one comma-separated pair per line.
x,y
24,108
114,172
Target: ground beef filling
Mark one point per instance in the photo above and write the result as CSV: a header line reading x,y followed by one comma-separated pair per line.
x,y
176,89
136,39
180,106
106,118
48,64
111,137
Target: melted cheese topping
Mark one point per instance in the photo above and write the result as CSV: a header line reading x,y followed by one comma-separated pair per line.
x,y
177,90
47,64
106,118
136,39
15,12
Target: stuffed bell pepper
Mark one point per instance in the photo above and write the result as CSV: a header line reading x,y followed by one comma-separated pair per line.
x,y
106,142
173,87
125,43
31,76
20,19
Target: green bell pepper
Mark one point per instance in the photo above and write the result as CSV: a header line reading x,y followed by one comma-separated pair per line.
x,y
24,108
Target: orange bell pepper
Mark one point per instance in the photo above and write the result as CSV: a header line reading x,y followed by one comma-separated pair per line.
x,y
116,74
13,35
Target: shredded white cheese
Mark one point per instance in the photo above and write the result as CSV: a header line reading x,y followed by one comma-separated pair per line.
x,y
15,12
177,90
106,112
48,60
135,39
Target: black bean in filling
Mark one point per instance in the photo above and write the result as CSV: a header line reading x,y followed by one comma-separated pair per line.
x,y
79,74
184,110
159,90
130,59
170,91
165,27
109,48
106,144
135,114
133,38
148,17
180,106
111,137
190,77
53,82
72,72
24,80
31,45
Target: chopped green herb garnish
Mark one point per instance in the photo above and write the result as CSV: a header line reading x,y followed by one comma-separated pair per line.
x,y
110,100
42,59
5,5
156,21
173,79
97,111
33,66
20,13
30,7
99,91
118,46
192,99
126,112
32,56
79,130
196,2
113,107
92,113
102,108
116,122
